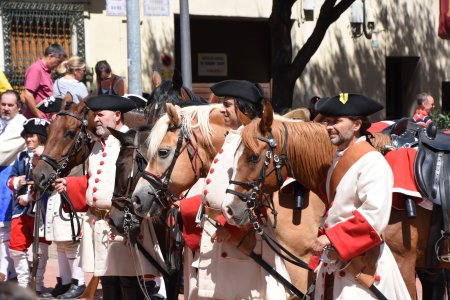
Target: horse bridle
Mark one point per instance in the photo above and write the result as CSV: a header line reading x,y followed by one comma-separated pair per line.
x,y
254,203
161,182
82,142
279,161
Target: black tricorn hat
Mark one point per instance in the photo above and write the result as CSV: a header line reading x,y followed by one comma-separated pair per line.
x,y
35,125
50,104
110,102
140,101
352,105
242,89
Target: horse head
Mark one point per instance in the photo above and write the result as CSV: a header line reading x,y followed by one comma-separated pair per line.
x,y
181,148
272,149
169,91
68,143
129,165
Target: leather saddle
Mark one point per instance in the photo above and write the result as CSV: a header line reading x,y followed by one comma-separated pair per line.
x,y
403,134
431,166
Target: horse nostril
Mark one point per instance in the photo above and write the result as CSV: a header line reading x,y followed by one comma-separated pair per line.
x,y
229,211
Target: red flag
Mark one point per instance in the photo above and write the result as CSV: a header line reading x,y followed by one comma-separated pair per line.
x,y
444,20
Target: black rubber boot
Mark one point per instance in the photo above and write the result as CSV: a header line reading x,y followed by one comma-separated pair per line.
x,y
111,288
75,291
58,290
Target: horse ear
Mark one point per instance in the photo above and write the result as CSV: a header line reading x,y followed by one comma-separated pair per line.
x,y
177,80
156,79
184,94
213,98
171,110
66,100
265,125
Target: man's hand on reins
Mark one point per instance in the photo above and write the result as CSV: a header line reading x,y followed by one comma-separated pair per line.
x,y
320,243
60,185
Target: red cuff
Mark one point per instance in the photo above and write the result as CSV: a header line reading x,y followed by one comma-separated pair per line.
x,y
191,233
11,183
353,237
76,190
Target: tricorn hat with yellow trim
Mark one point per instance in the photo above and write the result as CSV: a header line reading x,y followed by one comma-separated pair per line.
x,y
352,105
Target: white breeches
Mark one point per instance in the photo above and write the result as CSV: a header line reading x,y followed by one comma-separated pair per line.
x,y
68,261
6,263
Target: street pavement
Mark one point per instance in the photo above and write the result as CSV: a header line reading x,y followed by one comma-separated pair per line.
x,y
52,272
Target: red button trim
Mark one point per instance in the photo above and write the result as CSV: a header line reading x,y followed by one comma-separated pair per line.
x,y
342,273
113,237
94,199
216,160
224,254
221,151
104,154
211,171
99,171
96,180
208,181
205,192
94,189
325,225
377,278
102,163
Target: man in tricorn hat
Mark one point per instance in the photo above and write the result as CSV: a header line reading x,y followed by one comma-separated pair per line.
x,y
217,263
353,255
102,252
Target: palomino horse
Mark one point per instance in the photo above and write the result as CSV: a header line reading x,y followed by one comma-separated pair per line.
x,y
163,145
182,146
309,153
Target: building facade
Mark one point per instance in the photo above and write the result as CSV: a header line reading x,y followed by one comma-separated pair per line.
x,y
231,39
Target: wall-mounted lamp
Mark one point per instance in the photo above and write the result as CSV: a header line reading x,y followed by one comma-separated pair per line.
x,y
362,20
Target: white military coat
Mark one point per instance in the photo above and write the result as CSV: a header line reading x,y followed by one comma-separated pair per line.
x,y
102,252
364,194
223,271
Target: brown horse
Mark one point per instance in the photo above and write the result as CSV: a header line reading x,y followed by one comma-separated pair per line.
x,y
163,144
310,153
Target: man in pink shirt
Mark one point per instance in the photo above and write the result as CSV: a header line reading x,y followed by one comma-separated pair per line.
x,y
38,80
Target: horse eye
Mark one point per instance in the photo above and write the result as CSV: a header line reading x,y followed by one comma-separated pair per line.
x,y
163,153
254,158
70,133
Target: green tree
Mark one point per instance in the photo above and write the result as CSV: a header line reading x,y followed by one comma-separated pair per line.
x,y
286,68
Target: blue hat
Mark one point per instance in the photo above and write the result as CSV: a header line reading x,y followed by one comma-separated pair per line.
x,y
50,104
245,90
35,125
110,102
351,105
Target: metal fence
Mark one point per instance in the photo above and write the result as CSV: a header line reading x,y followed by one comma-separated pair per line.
x,y
30,27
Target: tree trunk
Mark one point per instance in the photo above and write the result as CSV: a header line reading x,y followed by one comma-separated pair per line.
x,y
285,70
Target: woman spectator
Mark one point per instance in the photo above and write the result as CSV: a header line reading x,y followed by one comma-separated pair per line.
x,y
107,82
73,71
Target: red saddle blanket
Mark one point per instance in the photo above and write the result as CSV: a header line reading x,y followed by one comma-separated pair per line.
x,y
402,165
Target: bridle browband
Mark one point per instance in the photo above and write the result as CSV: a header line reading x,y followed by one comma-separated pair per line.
x,y
82,142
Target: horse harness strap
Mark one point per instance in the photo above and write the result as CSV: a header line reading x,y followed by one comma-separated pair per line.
x,y
351,155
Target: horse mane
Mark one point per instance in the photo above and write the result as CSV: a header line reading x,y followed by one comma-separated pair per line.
x,y
379,140
308,148
188,116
